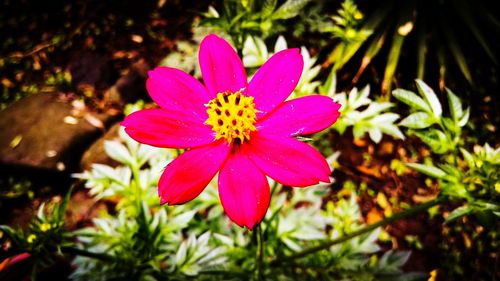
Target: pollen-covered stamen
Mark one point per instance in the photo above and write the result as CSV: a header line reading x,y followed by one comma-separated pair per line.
x,y
232,116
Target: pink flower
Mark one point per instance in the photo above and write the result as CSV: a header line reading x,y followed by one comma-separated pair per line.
x,y
242,130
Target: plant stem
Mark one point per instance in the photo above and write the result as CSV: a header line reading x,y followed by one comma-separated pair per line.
x,y
273,188
138,189
401,215
260,253
85,253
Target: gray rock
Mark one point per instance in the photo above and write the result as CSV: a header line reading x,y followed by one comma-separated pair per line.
x,y
46,132
130,87
96,152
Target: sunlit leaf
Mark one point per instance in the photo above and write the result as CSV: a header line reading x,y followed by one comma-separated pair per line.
x,y
430,97
431,171
417,120
289,9
455,105
411,99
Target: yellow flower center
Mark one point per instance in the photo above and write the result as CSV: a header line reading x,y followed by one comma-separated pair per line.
x,y
232,116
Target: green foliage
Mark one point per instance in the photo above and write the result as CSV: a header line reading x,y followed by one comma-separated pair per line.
x,y
472,178
362,113
242,18
476,181
14,187
441,133
347,28
44,238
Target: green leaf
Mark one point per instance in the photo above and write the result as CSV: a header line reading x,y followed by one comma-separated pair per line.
x,y
374,109
375,134
465,118
464,10
392,61
468,158
373,49
328,89
422,49
391,261
430,97
357,98
280,44
435,139
417,120
455,105
456,52
411,99
392,130
359,131
459,212
254,52
118,152
268,8
428,170
289,9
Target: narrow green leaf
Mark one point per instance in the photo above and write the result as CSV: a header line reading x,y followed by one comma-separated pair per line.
x,y
329,88
430,97
392,62
411,99
417,120
431,171
421,49
403,28
336,56
373,49
469,159
459,212
441,62
455,105
465,12
456,51
289,9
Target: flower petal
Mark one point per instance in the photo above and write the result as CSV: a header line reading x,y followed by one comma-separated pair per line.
x,y
162,128
300,116
275,80
288,160
243,190
187,176
221,68
174,89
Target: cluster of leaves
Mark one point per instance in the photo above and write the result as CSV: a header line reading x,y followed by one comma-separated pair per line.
x,y
242,18
362,113
442,134
346,27
42,241
472,178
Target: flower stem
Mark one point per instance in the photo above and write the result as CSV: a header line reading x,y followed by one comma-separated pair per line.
x,y
401,215
260,254
137,182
